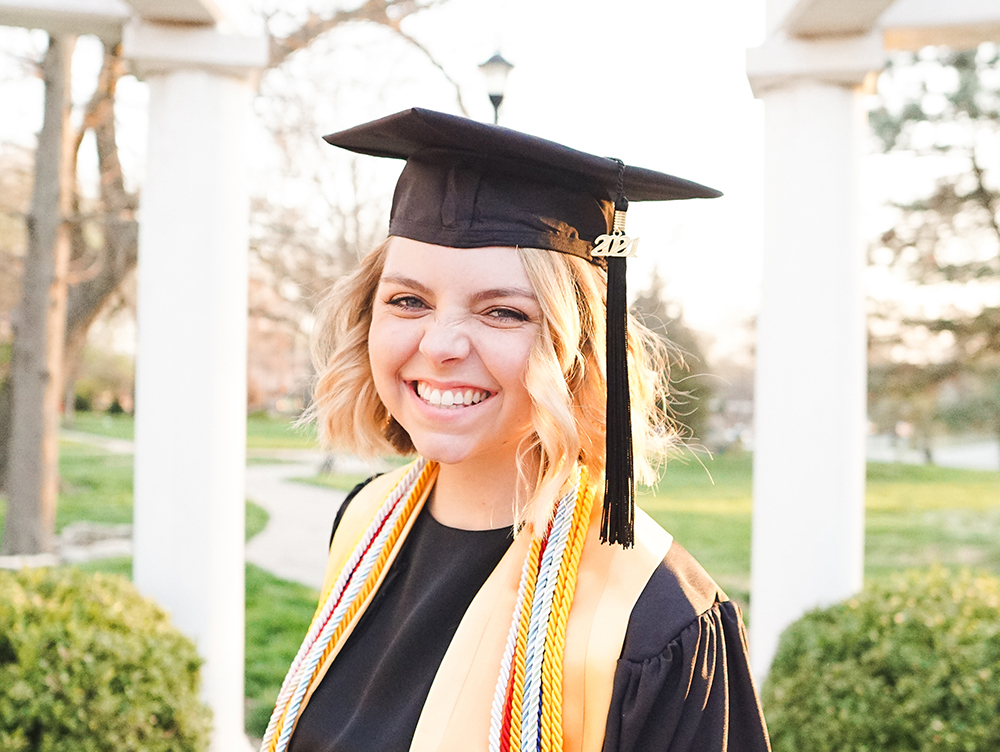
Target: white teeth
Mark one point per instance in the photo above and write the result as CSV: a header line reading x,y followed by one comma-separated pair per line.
x,y
449,398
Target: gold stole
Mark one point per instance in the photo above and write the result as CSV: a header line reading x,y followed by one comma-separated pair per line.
x,y
456,715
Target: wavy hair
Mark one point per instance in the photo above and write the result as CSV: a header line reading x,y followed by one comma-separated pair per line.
x,y
565,378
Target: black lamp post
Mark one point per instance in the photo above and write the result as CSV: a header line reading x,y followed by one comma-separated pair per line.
x,y
495,70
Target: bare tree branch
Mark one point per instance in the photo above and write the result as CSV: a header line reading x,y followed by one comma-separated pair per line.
x,y
436,64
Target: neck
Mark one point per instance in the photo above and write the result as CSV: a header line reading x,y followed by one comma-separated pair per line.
x,y
477,496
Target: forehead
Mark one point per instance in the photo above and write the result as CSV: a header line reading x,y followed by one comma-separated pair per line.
x,y
496,267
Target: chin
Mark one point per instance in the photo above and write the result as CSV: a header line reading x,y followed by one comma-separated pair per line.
x,y
445,455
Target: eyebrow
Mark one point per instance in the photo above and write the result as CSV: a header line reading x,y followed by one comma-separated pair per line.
x,y
490,294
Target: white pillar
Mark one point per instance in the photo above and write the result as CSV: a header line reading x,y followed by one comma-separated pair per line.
x,y
809,443
190,432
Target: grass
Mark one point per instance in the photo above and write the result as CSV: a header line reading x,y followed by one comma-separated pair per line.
x,y
263,431
266,432
256,519
94,486
916,515
338,481
120,426
277,617
706,505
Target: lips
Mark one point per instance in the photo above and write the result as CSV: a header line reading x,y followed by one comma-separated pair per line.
x,y
450,398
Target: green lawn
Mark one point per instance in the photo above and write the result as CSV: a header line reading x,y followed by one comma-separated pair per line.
x,y
96,486
263,431
113,426
277,617
266,432
338,481
915,516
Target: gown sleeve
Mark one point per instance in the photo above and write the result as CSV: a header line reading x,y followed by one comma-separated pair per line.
x,y
683,681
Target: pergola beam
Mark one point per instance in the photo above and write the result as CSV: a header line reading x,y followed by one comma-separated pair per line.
x,y
103,18
961,24
106,18
834,18
197,12
153,47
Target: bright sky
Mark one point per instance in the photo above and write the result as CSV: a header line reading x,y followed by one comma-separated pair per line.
x,y
657,84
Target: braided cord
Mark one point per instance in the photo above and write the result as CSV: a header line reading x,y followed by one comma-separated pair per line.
x,y
520,647
500,712
555,641
541,609
526,715
347,595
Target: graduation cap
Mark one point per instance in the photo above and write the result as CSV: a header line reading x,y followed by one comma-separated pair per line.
x,y
468,184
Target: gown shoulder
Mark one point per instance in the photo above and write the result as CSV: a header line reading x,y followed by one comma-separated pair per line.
x,y
683,683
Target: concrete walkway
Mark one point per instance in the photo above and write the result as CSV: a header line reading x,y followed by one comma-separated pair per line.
x,y
967,455
294,542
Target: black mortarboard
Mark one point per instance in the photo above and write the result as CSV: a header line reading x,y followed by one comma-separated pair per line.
x,y
468,184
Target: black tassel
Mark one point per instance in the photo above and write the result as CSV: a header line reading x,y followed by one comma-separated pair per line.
x,y
618,515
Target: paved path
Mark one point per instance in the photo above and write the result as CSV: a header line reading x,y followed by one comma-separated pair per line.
x,y
975,455
294,542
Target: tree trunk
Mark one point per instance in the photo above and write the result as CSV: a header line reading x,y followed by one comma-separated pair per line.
x,y
4,430
39,324
88,297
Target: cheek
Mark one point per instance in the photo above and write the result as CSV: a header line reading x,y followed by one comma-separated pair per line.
x,y
384,355
510,365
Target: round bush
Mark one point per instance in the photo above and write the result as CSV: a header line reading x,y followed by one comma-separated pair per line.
x,y
89,665
910,665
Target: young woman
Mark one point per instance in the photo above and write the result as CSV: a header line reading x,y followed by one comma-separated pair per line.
x,y
471,600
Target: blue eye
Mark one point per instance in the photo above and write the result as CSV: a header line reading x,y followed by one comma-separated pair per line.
x,y
407,302
507,314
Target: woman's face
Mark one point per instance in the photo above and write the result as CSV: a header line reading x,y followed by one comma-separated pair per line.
x,y
449,341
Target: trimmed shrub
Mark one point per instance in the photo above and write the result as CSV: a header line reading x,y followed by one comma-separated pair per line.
x,y
909,665
89,665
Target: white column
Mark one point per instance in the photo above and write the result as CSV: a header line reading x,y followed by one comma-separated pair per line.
x,y
809,456
190,432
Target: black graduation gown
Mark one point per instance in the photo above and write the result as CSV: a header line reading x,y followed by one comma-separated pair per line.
x,y
682,683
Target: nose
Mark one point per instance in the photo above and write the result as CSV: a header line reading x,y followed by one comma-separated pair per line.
x,y
444,340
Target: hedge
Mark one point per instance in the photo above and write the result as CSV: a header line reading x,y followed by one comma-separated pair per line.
x,y
89,665
909,665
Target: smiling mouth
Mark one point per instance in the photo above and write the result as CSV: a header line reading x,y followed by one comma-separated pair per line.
x,y
452,398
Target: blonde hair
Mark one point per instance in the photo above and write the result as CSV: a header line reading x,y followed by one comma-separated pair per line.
x,y
565,378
